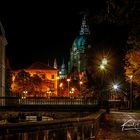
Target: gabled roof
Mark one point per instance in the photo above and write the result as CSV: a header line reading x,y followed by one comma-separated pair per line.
x,y
41,66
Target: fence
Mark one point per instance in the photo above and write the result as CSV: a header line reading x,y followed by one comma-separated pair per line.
x,y
118,104
49,101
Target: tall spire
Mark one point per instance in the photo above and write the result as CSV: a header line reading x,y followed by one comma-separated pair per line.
x,y
84,27
62,74
55,64
63,65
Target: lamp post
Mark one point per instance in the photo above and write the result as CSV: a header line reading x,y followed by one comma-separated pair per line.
x,y
68,80
80,85
131,92
102,67
72,91
116,88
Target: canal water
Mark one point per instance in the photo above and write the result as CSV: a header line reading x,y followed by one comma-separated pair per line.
x,y
69,133
83,127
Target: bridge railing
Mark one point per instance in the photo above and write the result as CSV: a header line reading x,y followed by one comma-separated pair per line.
x,y
45,101
119,104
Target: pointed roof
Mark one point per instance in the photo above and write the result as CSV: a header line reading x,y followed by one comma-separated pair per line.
x,y
84,27
63,65
55,64
40,65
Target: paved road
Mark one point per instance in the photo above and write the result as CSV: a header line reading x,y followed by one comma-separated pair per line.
x,y
112,128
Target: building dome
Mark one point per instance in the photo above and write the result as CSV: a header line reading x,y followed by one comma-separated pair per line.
x,y
80,41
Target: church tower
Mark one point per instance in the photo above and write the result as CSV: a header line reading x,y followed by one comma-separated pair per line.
x,y
84,27
55,64
3,43
78,61
62,72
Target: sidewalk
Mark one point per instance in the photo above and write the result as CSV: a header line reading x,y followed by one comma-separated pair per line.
x,y
111,129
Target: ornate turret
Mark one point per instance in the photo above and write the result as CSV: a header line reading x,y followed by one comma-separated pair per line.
x,y
84,27
78,54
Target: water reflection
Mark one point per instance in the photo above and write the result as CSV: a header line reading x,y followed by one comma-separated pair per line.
x,y
81,132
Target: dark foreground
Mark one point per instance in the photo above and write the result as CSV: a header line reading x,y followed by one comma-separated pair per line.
x,y
115,125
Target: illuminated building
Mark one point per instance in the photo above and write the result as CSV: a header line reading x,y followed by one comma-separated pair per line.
x,y
45,74
78,60
62,72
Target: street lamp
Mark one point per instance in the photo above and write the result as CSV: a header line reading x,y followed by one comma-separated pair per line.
x,y
115,88
104,61
80,85
68,80
72,90
103,64
102,67
61,85
131,92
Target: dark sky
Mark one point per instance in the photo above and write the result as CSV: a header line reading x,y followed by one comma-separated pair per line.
x,y
41,31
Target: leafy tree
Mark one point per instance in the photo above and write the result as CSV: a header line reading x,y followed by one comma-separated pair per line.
x,y
23,82
132,66
36,81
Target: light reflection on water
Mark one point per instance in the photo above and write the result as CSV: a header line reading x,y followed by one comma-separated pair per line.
x,y
38,135
69,133
63,129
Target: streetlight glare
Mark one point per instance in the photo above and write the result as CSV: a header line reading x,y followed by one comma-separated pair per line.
x,y
115,86
102,67
61,84
104,61
68,80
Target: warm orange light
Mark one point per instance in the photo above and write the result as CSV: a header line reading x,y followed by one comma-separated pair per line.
x,y
131,76
68,80
72,89
25,91
81,82
61,84
102,67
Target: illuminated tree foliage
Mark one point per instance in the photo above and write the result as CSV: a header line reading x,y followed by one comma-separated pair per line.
x,y
132,58
23,82
132,66
36,81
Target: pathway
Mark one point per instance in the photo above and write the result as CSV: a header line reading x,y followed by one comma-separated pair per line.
x,y
112,128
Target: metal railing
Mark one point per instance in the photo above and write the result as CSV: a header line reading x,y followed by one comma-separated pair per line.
x,y
47,101
119,104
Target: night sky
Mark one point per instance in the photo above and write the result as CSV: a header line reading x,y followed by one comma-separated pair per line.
x,y
41,31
